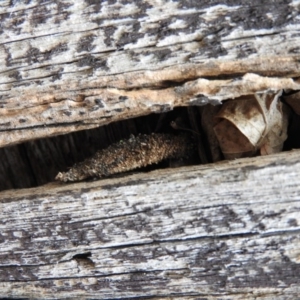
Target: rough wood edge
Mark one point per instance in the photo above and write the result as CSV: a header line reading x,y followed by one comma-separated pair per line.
x,y
223,212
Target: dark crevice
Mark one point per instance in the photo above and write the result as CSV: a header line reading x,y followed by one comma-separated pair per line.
x,y
37,162
247,37
28,162
85,255
100,275
43,126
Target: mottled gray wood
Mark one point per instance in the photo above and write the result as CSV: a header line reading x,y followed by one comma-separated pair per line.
x,y
72,65
221,231
224,231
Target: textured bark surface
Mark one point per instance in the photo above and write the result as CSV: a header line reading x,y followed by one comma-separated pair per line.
x,y
76,65
223,231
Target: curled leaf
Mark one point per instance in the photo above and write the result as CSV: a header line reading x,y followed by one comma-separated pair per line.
x,y
251,123
276,117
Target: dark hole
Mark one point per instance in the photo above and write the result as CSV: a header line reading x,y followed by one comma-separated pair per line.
x,y
293,140
82,255
37,162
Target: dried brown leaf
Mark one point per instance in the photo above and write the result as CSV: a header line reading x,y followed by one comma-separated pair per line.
x,y
232,142
250,123
276,119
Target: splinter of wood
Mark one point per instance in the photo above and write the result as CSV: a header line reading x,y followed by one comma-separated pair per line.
x,y
137,151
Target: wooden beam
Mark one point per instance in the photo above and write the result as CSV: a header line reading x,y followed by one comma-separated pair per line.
x,y
73,66
228,230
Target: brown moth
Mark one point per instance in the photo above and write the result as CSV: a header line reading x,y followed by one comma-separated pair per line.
x,y
137,151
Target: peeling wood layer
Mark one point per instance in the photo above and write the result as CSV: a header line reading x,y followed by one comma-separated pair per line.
x,y
222,235
66,116
74,66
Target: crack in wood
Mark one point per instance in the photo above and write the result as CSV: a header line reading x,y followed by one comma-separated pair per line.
x,y
196,43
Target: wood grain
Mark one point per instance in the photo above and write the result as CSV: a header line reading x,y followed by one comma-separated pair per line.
x,y
220,231
228,230
73,66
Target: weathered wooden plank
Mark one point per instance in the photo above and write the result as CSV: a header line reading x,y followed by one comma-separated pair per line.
x,y
228,230
72,66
